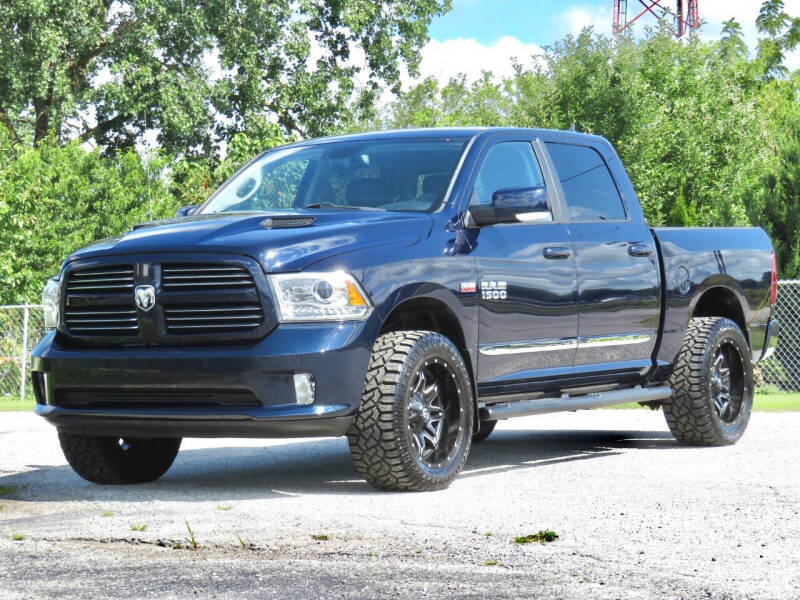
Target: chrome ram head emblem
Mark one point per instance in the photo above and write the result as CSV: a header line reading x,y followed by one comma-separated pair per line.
x,y
145,296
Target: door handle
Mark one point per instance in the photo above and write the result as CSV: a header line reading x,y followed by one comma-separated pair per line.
x,y
640,250
557,253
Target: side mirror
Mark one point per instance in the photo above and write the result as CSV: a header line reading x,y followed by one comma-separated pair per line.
x,y
185,211
511,205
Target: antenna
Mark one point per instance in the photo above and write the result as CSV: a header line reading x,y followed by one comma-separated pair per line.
x,y
147,173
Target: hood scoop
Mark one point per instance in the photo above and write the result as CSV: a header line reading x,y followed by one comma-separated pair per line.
x,y
287,222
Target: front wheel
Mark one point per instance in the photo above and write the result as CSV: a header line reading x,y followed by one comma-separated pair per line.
x,y
413,429
118,460
712,384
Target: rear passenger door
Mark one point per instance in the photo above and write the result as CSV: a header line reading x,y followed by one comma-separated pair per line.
x,y
615,255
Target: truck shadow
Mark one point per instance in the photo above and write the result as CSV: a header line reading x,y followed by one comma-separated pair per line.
x,y
315,466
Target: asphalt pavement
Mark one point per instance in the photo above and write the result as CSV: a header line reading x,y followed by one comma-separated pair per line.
x,y
637,516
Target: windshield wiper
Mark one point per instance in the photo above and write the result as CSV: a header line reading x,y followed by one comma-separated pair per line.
x,y
343,206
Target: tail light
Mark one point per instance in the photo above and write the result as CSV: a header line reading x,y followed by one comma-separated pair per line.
x,y
773,292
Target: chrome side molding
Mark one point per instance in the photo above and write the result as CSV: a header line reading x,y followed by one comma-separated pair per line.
x,y
525,347
565,344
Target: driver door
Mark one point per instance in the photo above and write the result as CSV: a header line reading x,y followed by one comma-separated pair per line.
x,y
527,283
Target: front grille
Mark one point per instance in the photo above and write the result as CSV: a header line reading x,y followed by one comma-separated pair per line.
x,y
103,280
102,320
190,319
196,302
100,302
205,277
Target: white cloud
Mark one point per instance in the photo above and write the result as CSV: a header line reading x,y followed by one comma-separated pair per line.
x,y
448,58
578,17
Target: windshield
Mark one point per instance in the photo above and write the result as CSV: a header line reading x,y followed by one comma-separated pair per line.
x,y
399,174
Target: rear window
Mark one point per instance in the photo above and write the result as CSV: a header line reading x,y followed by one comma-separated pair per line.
x,y
589,189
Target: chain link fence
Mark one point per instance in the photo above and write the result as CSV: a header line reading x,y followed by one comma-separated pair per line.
x,y
782,370
22,326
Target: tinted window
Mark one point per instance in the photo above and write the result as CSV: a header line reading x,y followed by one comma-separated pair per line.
x,y
400,174
589,190
507,165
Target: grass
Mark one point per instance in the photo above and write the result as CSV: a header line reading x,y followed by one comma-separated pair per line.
x,y
777,402
544,536
762,402
15,405
138,527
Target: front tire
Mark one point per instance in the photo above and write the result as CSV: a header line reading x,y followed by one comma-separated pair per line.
x,y
413,429
118,460
712,384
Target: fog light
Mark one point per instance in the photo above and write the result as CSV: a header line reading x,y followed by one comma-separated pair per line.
x,y
304,388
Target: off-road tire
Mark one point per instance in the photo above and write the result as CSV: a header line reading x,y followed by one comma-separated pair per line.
x,y
115,460
691,413
380,437
486,429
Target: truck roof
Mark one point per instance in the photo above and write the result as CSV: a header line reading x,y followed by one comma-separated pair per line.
x,y
438,132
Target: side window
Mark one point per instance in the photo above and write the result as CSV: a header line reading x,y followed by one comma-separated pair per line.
x,y
589,189
507,165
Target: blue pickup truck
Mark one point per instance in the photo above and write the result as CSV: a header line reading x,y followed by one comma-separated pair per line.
x,y
406,289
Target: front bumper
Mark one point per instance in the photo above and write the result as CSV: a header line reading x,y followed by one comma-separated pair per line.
x,y
219,391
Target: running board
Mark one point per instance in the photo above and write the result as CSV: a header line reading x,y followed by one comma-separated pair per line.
x,y
525,408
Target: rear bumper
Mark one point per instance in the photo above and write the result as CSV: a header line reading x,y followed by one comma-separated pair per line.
x,y
770,339
220,391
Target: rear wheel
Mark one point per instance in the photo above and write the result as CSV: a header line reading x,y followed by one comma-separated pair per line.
x,y
412,431
118,460
712,384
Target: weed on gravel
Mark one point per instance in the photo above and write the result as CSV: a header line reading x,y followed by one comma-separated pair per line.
x,y
138,527
544,536
192,540
19,537
319,537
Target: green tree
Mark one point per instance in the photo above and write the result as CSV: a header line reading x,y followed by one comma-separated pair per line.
x,y
108,71
54,200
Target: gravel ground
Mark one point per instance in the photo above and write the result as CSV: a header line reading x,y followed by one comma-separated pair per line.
x,y
637,517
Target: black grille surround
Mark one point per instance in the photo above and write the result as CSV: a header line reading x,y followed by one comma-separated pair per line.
x,y
198,300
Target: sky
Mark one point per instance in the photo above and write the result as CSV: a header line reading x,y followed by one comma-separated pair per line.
x,y
481,35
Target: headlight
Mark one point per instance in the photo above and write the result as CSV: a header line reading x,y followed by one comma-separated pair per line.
x,y
335,296
51,296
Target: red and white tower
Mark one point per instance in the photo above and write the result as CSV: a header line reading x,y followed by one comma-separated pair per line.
x,y
687,14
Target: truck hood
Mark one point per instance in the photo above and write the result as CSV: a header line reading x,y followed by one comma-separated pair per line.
x,y
275,244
